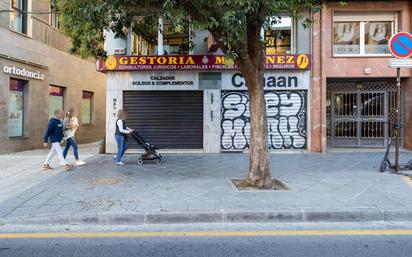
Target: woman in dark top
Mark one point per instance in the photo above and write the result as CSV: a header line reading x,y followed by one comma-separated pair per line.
x,y
120,135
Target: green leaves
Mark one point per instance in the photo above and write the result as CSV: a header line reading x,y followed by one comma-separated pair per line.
x,y
230,21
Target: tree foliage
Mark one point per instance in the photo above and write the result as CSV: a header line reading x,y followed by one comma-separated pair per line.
x,y
85,20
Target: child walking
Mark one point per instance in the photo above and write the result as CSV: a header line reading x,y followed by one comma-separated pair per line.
x,y
70,125
54,132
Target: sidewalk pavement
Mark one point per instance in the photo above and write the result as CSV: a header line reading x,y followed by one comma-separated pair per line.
x,y
21,171
196,188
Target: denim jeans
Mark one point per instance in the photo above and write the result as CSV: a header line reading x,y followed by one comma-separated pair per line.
x,y
71,142
121,147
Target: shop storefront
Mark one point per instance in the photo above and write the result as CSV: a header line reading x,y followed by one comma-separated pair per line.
x,y
170,119
18,78
29,97
286,108
200,103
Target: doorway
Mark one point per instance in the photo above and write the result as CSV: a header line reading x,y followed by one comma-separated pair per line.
x,y
359,112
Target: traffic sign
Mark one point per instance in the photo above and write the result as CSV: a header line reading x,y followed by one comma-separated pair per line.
x,y
400,45
400,63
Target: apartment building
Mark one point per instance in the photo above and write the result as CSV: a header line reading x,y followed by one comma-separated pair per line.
x,y
38,75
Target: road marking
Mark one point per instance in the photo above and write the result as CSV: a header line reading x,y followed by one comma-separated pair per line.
x,y
273,233
408,180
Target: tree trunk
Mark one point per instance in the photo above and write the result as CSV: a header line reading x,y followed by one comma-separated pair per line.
x,y
259,169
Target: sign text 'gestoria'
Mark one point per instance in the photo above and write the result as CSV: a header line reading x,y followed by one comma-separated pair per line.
x,y
196,62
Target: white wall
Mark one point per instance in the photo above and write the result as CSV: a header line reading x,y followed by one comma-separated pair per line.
x,y
112,43
117,82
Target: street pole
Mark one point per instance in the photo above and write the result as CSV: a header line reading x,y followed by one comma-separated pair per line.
x,y
397,129
400,46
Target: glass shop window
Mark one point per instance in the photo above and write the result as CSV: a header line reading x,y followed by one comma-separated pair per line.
x,y
87,105
56,99
147,44
142,45
377,35
278,37
346,37
175,39
16,108
363,34
144,38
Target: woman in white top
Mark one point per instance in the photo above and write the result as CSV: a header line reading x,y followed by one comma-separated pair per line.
x,y
70,125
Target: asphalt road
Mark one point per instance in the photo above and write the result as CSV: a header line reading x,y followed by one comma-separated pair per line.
x,y
381,244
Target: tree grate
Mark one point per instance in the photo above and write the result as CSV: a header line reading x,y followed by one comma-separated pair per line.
x,y
277,185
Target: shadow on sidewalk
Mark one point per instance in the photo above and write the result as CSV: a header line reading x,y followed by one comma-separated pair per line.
x,y
201,182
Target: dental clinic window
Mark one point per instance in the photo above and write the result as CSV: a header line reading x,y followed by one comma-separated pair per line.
x,y
56,99
18,18
161,37
278,37
16,107
363,34
87,105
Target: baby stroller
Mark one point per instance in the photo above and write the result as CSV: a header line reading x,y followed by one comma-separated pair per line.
x,y
150,153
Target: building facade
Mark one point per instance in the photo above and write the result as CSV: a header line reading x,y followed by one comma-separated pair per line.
x,y
353,87
38,75
182,97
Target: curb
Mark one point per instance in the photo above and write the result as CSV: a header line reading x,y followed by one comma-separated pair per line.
x,y
219,216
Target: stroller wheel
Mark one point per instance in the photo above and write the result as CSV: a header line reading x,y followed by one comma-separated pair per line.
x,y
159,161
140,161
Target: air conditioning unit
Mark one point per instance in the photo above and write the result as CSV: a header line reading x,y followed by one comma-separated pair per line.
x,y
119,51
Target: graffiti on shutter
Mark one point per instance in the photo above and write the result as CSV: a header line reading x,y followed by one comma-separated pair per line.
x,y
286,113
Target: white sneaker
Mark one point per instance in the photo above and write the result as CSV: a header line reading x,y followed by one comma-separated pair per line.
x,y
114,157
120,163
80,163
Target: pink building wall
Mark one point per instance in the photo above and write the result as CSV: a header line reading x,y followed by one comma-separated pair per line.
x,y
326,66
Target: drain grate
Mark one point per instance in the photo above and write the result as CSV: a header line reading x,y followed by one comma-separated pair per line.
x,y
277,185
107,181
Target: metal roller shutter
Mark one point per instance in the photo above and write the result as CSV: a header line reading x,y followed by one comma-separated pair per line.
x,y
286,113
167,119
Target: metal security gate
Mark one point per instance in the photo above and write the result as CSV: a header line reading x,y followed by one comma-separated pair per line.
x,y
286,114
167,119
358,113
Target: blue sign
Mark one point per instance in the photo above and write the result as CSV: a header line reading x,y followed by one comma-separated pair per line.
x,y
400,45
